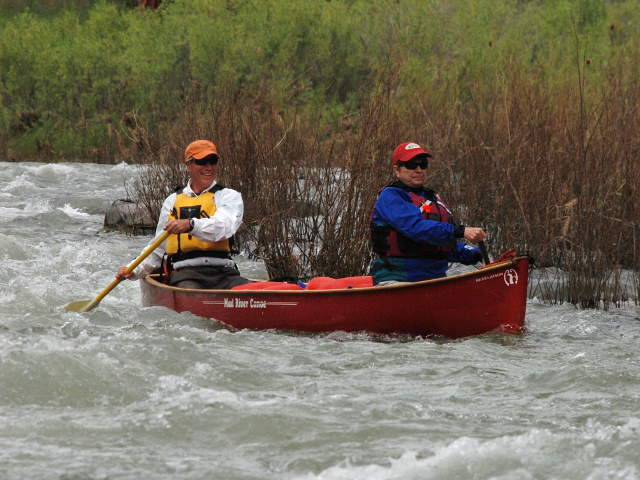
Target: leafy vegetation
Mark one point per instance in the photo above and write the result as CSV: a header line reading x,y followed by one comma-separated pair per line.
x,y
82,80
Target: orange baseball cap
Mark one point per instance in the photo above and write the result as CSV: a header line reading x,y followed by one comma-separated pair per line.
x,y
200,149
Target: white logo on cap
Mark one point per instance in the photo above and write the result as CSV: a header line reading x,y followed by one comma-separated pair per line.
x,y
411,146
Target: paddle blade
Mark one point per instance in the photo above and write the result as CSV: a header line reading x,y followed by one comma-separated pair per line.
x,y
80,306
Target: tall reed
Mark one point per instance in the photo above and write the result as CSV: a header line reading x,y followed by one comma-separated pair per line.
x,y
540,168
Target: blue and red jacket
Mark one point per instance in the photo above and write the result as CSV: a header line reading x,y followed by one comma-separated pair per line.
x,y
415,235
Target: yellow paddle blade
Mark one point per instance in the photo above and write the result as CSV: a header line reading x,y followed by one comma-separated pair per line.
x,y
80,306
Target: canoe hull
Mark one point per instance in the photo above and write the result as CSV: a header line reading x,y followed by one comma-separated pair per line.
x,y
489,299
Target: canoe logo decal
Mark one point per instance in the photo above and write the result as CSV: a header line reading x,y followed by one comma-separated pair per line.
x,y
248,303
510,277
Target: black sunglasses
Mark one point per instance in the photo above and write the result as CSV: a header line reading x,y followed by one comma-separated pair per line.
x,y
413,164
208,160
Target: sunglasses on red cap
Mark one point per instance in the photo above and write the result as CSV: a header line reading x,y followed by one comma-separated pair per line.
x,y
414,163
208,160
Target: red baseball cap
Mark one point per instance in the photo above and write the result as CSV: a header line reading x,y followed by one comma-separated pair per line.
x,y
406,151
200,149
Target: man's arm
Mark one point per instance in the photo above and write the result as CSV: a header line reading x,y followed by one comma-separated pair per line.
x,y
395,209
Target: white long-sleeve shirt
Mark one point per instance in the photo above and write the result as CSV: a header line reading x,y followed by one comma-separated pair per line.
x,y
223,224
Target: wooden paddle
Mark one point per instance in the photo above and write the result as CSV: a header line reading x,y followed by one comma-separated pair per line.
x,y
86,305
483,252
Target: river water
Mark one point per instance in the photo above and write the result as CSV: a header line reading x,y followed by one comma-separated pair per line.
x,y
125,392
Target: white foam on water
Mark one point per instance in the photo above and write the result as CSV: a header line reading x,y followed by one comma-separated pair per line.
x,y
7,296
51,172
29,209
122,166
12,248
527,456
178,393
18,184
631,429
46,344
73,212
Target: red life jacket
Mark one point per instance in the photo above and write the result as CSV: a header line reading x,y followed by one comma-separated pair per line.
x,y
388,242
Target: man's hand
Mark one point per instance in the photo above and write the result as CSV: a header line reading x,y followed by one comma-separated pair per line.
x,y
474,234
122,273
178,226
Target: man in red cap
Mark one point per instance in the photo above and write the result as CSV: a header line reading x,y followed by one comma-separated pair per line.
x,y
203,217
413,231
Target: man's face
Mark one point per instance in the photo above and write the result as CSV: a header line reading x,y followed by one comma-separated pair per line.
x,y
410,176
202,174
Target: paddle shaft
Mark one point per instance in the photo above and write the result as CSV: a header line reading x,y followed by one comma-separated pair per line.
x,y
483,252
156,243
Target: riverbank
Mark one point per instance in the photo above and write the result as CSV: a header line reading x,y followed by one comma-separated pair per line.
x,y
108,82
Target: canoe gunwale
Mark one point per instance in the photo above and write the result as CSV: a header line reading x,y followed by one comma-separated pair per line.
x,y
151,279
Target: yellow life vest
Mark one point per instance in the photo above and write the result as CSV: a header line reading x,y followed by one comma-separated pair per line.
x,y
202,206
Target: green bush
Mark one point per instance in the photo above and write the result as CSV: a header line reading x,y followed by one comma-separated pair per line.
x,y
128,72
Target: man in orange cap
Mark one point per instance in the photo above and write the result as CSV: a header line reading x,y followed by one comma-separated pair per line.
x,y
414,233
203,217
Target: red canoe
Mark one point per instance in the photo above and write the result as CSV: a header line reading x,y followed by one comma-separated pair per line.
x,y
492,298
